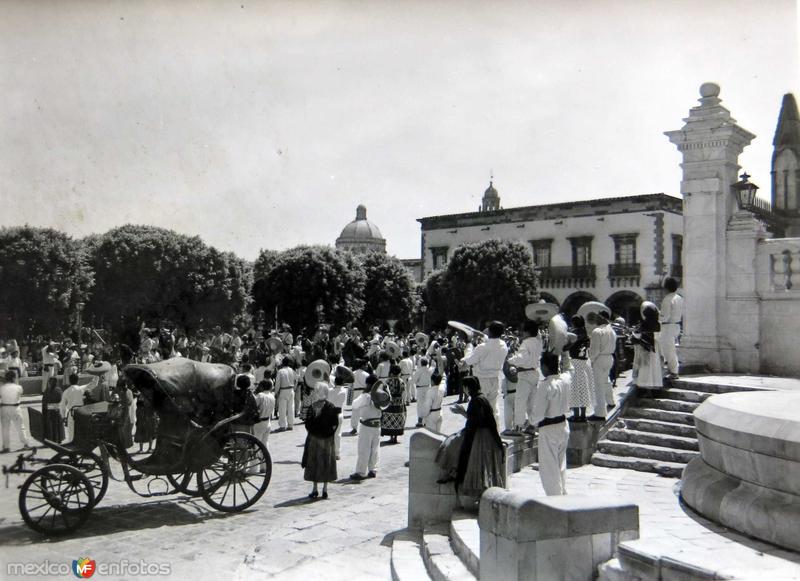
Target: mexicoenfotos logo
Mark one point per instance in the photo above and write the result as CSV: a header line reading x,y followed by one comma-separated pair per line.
x,y
84,567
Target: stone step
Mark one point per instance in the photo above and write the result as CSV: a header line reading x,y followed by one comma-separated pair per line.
x,y
711,387
646,451
440,560
664,440
660,415
465,538
669,469
613,570
406,560
670,405
689,395
656,427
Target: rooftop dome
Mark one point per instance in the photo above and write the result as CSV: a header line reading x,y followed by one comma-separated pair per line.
x,y
490,191
361,234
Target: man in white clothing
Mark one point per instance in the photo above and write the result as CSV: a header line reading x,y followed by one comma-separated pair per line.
x,y
433,421
10,414
422,384
338,396
526,360
265,400
550,408
72,397
285,382
487,361
406,369
369,434
603,343
671,315
359,385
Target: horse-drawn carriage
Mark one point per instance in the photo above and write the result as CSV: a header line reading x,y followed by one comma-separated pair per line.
x,y
199,450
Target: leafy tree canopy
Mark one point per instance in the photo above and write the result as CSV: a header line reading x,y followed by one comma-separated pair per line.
x,y
388,291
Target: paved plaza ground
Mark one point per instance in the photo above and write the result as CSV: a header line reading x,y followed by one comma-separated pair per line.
x,y
347,537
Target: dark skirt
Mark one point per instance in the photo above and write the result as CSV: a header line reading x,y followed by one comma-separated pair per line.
x,y
319,459
53,425
145,425
486,466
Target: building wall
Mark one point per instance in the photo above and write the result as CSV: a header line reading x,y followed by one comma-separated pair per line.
x,y
650,226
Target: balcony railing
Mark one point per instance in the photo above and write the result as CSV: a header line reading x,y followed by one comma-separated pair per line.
x,y
624,274
568,276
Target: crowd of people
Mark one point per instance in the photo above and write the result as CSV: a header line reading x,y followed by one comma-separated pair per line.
x,y
541,372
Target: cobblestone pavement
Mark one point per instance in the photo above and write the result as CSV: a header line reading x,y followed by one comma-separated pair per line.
x,y
283,536
668,528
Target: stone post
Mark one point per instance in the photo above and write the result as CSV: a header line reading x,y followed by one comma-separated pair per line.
x,y
525,537
710,143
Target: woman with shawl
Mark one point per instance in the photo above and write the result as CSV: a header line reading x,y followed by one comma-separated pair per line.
x,y
647,372
319,452
51,415
481,456
393,420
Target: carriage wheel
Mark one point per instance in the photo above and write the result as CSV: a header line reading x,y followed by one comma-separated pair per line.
x,y
92,467
233,482
183,483
56,499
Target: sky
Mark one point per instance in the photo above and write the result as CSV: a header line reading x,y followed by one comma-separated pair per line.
x,y
264,124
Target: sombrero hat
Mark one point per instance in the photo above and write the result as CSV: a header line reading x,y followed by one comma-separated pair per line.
x,y
380,395
275,344
345,374
98,368
317,371
541,311
393,349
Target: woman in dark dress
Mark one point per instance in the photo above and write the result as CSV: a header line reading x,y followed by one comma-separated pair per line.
x,y
319,452
393,420
146,423
478,448
53,425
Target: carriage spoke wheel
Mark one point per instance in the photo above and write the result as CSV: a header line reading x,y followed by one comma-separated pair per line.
x,y
235,481
183,483
91,466
56,499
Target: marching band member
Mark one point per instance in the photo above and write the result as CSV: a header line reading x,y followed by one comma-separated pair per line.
x,y
285,382
603,342
265,400
369,435
551,404
359,385
487,362
433,421
422,382
526,360
406,369
10,414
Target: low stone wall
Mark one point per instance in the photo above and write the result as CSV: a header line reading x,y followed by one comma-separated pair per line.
x,y
429,502
554,537
33,385
747,476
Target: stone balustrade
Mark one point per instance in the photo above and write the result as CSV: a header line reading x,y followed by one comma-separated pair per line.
x,y
779,266
525,537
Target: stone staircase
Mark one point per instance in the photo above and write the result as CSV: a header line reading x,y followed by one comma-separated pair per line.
x,y
448,552
655,432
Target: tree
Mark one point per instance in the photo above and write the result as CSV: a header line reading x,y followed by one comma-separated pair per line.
x,y
486,280
44,276
307,278
388,291
435,299
148,274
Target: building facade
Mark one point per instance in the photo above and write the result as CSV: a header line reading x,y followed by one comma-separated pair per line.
x,y
615,250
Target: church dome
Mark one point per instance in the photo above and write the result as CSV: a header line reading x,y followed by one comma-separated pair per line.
x,y
490,191
361,235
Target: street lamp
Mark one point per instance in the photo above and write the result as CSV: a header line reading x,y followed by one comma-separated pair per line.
x,y
745,193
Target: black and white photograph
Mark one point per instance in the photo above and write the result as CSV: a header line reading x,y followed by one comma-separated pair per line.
x,y
447,290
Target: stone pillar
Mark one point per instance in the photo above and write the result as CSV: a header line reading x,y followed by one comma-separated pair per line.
x,y
710,143
525,537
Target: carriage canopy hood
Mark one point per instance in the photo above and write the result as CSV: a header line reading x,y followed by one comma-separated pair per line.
x,y
200,389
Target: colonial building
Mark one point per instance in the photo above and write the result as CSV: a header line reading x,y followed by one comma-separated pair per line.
x,y
361,235
615,250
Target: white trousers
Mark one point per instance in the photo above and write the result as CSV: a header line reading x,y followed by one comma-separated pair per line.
x,y
669,348
369,440
337,436
490,387
434,422
411,389
526,390
354,415
261,431
510,408
553,458
603,393
424,396
11,417
286,408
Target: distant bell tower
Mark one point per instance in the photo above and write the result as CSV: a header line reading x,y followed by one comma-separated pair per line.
x,y
786,162
491,200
